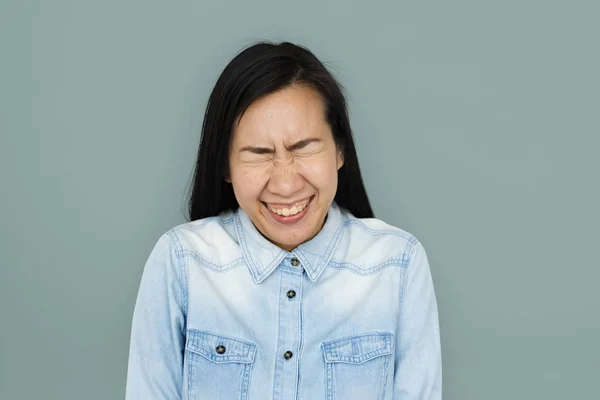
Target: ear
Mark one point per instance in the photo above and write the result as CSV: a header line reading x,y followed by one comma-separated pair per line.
x,y
227,179
340,159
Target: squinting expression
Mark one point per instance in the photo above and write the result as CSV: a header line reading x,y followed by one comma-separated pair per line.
x,y
283,165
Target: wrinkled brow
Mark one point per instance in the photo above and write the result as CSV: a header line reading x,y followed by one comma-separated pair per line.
x,y
266,150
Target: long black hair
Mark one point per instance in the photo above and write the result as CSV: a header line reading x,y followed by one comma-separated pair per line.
x,y
258,70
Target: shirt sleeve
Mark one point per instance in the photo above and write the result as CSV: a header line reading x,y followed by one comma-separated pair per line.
x,y
418,363
155,366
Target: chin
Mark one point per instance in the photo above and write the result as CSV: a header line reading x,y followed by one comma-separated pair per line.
x,y
290,242
286,236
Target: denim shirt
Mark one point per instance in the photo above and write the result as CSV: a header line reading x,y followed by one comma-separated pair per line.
x,y
222,314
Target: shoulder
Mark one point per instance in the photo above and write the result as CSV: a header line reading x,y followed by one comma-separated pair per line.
x,y
211,229
211,240
370,244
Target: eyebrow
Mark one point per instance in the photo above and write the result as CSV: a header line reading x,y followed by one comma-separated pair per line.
x,y
266,150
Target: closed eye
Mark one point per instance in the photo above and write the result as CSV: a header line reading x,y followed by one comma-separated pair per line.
x,y
257,150
302,144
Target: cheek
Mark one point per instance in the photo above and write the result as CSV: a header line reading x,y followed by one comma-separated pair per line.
x,y
248,183
320,173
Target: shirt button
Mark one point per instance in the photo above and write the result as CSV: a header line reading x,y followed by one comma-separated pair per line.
x,y
291,294
295,262
287,355
220,349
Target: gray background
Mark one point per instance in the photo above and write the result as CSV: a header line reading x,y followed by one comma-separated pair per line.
x,y
477,127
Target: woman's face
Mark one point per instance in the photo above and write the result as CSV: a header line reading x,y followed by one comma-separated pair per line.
x,y
283,165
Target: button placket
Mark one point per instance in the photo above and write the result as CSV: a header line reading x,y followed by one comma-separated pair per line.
x,y
289,341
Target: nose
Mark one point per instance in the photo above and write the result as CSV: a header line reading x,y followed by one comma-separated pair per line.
x,y
285,180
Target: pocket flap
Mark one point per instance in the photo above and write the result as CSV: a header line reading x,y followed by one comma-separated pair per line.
x,y
219,348
357,349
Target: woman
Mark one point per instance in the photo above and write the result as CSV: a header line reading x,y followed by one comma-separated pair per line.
x,y
283,285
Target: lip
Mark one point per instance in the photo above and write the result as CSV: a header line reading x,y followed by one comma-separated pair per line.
x,y
291,218
289,205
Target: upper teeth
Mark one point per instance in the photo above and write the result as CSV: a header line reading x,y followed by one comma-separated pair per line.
x,y
289,211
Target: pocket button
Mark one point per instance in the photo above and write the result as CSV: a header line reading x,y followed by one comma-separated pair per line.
x,y
221,349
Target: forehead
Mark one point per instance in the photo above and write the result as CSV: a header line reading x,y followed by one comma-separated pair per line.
x,y
294,112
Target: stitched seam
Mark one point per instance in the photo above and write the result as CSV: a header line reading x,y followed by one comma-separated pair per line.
x,y
200,225
199,333
242,239
301,344
190,362
362,271
384,377
332,246
359,359
213,266
222,359
276,372
330,383
275,261
247,382
242,373
347,339
183,278
409,237
411,250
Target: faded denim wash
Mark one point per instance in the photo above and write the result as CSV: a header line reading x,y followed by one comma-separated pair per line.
x,y
222,314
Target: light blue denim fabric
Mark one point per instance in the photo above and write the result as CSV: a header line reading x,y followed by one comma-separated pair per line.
x,y
216,318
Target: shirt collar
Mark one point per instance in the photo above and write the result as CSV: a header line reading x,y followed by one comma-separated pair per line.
x,y
262,256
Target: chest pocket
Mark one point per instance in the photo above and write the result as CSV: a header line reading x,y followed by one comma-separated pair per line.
x,y
218,367
357,367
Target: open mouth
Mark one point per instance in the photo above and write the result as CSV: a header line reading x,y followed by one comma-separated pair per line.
x,y
290,212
